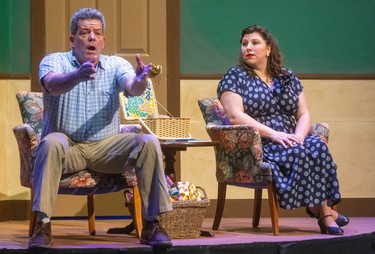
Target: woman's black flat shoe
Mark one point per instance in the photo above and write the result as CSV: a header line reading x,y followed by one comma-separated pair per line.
x,y
329,230
341,220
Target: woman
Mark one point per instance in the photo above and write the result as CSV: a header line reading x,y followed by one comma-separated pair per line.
x,y
261,93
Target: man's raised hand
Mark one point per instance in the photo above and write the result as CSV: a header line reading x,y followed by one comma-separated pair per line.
x,y
142,71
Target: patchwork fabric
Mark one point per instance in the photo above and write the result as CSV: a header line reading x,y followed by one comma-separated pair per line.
x,y
139,106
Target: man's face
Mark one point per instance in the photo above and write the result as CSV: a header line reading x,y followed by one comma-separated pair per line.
x,y
89,40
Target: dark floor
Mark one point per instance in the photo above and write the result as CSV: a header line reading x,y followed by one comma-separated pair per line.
x,y
234,235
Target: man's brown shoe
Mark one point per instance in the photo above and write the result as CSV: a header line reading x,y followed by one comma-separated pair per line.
x,y
153,234
42,236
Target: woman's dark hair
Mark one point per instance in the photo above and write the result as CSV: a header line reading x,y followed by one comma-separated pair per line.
x,y
274,63
85,13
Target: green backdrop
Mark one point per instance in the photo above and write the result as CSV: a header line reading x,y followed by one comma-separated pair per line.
x,y
315,36
14,36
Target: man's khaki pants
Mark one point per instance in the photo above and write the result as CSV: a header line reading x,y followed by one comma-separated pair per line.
x,y
57,155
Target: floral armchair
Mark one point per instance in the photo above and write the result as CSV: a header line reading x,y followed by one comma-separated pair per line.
x,y
85,182
239,160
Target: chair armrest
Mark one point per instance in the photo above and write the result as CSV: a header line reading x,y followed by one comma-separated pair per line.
x,y
237,137
132,128
321,130
27,141
239,157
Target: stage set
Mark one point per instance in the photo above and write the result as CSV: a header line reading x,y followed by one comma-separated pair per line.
x,y
235,235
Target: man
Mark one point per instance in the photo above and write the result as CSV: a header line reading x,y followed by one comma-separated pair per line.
x,y
81,125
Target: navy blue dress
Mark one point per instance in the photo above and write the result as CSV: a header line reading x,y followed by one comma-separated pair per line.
x,y
304,175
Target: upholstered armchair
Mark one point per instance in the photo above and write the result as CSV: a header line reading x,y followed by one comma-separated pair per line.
x,y
84,182
239,160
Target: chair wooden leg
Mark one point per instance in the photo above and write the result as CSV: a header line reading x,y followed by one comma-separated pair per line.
x,y
91,214
273,209
221,193
137,219
136,213
257,206
32,223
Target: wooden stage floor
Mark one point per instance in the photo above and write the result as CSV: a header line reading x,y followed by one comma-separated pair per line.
x,y
73,234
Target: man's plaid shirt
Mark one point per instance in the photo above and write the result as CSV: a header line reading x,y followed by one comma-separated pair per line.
x,y
90,111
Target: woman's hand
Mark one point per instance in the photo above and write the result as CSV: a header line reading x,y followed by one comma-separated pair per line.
x,y
286,139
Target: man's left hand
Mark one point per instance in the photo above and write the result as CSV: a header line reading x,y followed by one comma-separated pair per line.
x,y
142,71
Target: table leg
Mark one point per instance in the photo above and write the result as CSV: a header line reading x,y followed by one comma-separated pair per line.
x,y
169,161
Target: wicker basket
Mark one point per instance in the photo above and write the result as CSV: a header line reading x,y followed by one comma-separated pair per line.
x,y
166,128
141,109
186,218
